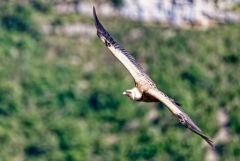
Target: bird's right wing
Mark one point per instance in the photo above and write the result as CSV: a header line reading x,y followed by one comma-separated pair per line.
x,y
183,118
119,52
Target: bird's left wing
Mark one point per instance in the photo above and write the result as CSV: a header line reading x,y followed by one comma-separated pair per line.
x,y
119,52
183,118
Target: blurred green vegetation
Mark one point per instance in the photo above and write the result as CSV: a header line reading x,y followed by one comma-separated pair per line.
x,y
60,96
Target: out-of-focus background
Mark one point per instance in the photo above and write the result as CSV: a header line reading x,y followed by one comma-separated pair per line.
x,y
61,90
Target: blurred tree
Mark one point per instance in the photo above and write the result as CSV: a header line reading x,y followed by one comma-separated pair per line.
x,y
76,5
18,17
117,3
41,5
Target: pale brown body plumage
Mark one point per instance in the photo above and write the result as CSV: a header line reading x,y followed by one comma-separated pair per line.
x,y
145,89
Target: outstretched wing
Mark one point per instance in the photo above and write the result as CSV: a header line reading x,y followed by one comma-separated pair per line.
x,y
120,53
183,118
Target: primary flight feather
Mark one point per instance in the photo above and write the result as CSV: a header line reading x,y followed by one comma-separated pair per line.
x,y
145,89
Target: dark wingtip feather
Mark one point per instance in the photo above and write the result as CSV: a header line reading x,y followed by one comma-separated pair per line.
x,y
199,132
95,16
188,123
99,27
208,140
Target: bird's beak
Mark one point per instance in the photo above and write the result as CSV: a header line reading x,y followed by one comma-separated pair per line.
x,y
124,93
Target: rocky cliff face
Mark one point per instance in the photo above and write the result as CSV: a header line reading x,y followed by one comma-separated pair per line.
x,y
180,12
176,12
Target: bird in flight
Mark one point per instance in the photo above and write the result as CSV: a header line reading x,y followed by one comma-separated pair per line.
x,y
145,89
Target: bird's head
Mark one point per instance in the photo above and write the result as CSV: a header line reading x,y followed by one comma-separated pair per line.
x,y
133,94
129,93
